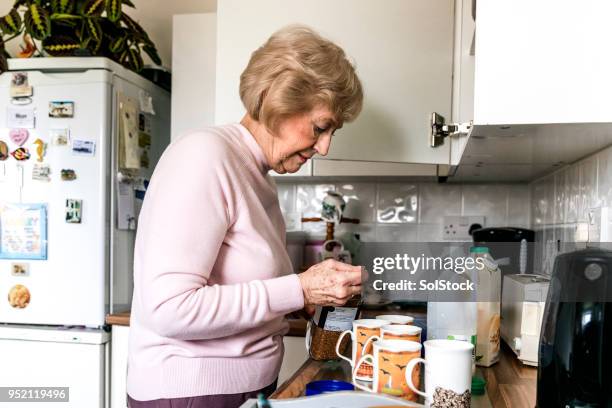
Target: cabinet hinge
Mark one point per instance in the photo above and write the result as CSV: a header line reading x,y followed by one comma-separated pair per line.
x,y
439,130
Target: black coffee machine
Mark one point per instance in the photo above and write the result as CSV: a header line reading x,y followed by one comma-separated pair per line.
x,y
504,243
575,367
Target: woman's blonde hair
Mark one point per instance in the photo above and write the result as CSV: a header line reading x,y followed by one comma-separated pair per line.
x,y
295,71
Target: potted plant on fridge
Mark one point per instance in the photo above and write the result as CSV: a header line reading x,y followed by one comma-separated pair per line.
x,y
76,28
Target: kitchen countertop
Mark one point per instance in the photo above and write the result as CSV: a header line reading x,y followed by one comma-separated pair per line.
x,y
297,327
510,384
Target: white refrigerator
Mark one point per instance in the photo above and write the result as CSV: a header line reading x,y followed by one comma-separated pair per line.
x,y
93,132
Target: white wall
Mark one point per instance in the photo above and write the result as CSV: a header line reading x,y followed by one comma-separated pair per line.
x,y
561,200
154,15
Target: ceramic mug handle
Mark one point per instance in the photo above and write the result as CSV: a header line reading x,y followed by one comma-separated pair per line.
x,y
344,333
411,364
367,343
354,376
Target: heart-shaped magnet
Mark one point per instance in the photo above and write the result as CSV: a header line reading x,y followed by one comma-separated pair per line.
x,y
19,136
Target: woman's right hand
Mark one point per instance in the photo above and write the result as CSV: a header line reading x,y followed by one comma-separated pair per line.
x,y
330,283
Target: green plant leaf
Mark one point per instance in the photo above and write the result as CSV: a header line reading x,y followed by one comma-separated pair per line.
x,y
128,3
117,45
37,22
94,29
134,59
62,6
64,16
92,8
60,45
3,63
152,53
113,10
133,26
11,23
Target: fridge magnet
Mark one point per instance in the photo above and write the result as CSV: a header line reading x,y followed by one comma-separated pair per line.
x,y
20,118
4,151
61,109
68,175
144,123
23,231
21,154
144,159
84,147
129,155
59,137
19,296
41,149
144,140
145,101
73,211
19,85
19,136
41,172
20,269
26,100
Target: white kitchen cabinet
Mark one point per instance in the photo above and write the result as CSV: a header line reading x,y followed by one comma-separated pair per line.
x,y
403,51
543,62
541,84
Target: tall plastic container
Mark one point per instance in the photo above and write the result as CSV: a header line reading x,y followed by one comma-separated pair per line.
x,y
454,320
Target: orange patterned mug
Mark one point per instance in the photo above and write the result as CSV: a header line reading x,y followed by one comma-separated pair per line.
x,y
363,329
389,362
397,332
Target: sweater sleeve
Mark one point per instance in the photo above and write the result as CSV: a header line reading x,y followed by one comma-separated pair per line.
x,y
188,209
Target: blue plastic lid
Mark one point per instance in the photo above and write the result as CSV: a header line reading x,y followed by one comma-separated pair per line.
x,y
323,386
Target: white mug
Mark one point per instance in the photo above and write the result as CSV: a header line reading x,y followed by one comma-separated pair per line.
x,y
396,319
363,329
448,373
390,360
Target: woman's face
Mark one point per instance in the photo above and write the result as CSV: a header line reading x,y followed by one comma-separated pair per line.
x,y
299,138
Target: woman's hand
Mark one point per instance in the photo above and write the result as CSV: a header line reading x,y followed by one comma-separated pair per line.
x,y
330,283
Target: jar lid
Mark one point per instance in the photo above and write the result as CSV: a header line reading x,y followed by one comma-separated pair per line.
x,y
323,386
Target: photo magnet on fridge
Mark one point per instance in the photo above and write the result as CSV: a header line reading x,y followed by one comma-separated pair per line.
x,y
20,87
73,211
20,269
61,109
59,137
68,175
41,172
84,147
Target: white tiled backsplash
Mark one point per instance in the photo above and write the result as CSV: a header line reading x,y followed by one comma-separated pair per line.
x,y
562,199
407,212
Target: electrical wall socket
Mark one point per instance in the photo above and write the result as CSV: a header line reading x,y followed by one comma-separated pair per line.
x,y
457,227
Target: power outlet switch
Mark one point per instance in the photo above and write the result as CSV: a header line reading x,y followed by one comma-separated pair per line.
x,y
457,228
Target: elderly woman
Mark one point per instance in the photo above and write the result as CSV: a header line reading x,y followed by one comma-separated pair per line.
x,y
212,277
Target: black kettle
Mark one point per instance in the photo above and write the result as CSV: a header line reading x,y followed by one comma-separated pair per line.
x,y
575,356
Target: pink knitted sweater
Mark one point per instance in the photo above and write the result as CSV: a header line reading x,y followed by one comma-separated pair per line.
x,y
212,277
